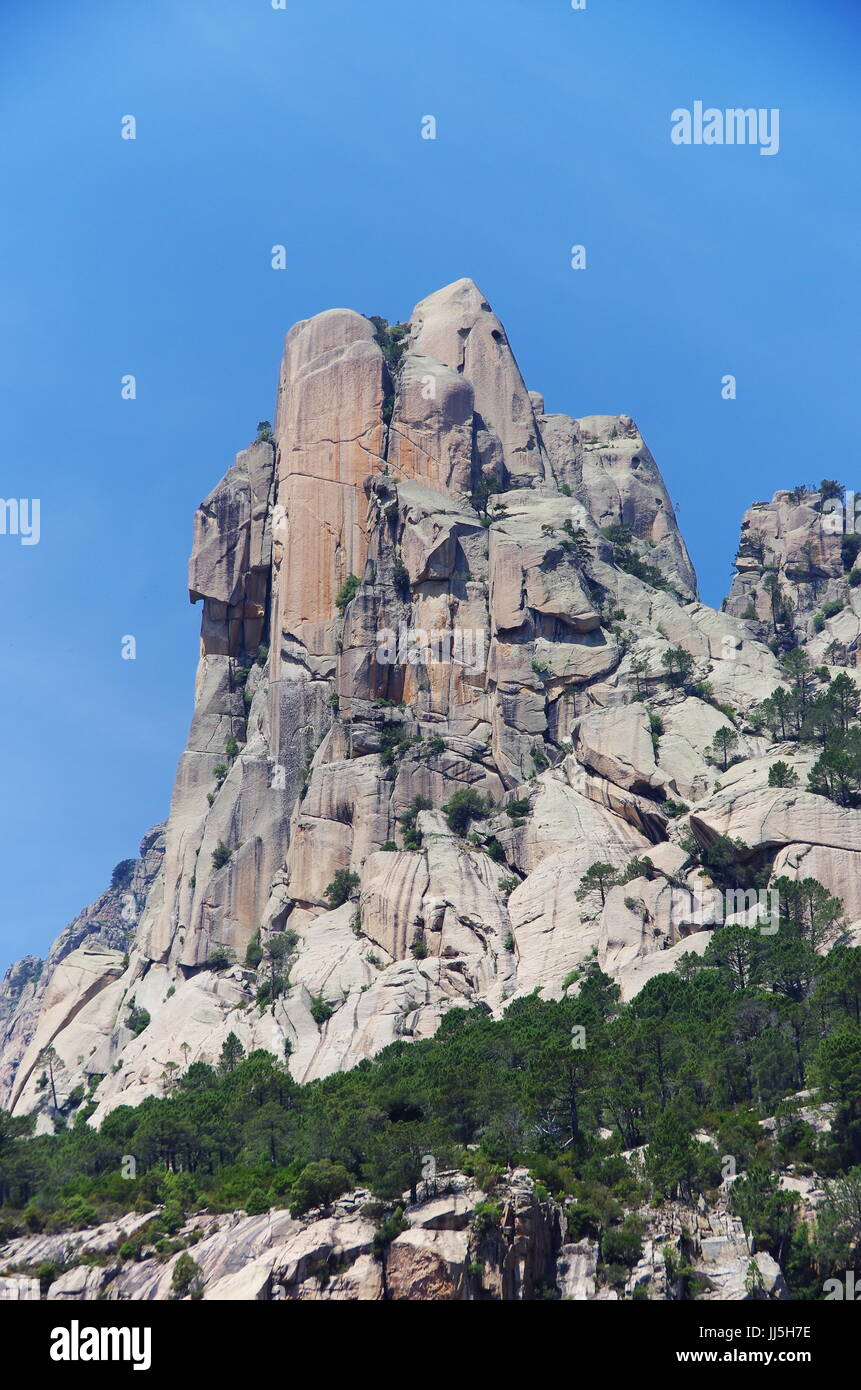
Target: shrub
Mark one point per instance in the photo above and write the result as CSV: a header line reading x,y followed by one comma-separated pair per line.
x,y
187,1278
639,868
220,855
463,806
257,1203
122,873
516,809
487,1217
253,952
656,729
401,580
318,1184
320,1011
585,1222
231,747
387,1232
623,1244
407,822
394,743
342,887
388,845
347,592
220,958
138,1019
392,339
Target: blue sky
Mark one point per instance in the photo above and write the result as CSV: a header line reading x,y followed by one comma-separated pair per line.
x,y
302,127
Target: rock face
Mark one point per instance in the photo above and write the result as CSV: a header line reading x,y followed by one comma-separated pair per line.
x,y
65,994
794,558
449,1252
425,587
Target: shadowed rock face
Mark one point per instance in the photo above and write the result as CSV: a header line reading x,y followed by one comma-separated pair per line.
x,y
429,585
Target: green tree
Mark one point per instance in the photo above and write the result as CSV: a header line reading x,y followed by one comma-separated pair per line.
x,y
837,1068
837,772
671,1158
829,489
639,668
724,741
780,712
845,698
576,543
777,600
318,1185
232,1053
678,665
798,672
279,947
267,1135
781,774
601,876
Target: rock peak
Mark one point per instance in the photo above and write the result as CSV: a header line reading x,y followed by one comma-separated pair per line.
x,y
440,638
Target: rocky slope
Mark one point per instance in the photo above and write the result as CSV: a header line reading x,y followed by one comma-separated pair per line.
x,y
450,1250
424,583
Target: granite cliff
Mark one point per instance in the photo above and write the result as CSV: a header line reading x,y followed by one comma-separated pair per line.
x,y
421,591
